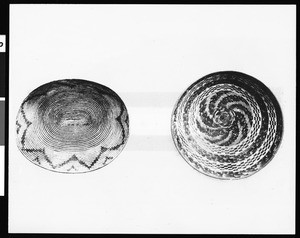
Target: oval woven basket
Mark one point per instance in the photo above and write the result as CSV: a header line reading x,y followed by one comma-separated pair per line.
x,y
72,126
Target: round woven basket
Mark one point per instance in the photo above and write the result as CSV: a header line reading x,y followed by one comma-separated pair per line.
x,y
227,125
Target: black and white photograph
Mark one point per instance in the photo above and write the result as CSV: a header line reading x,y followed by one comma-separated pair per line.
x,y
150,119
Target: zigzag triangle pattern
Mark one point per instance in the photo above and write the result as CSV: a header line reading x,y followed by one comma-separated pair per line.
x,y
72,126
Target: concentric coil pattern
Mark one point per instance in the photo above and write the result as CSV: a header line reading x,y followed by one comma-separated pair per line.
x,y
72,126
227,125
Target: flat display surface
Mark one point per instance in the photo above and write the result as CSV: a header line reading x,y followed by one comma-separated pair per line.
x,y
149,55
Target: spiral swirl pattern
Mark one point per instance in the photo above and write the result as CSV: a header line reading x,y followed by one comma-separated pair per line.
x,y
227,125
72,126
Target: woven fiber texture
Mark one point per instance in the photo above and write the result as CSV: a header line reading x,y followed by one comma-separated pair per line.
x,y
72,126
227,125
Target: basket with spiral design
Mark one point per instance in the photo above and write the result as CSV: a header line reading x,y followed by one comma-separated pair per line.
x,y
227,125
72,126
